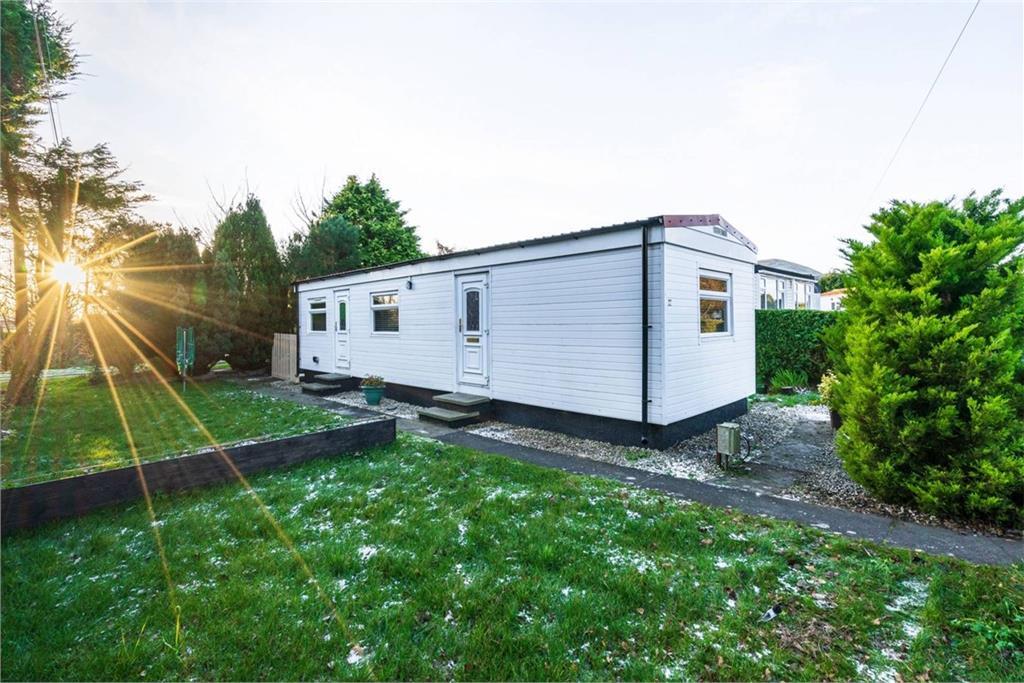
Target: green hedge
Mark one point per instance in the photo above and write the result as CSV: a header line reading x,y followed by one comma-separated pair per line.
x,y
791,340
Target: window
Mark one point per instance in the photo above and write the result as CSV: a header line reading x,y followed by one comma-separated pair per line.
x,y
472,310
801,294
384,306
715,302
767,294
342,316
318,315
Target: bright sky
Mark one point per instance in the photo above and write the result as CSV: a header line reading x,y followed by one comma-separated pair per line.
x,y
497,122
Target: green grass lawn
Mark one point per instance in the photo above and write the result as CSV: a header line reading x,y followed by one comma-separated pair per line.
x,y
443,562
804,398
78,429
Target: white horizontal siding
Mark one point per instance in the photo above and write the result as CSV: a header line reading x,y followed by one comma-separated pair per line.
x,y
566,333
422,354
703,373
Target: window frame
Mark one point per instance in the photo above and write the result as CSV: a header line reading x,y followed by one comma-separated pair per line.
x,y
382,307
726,296
310,312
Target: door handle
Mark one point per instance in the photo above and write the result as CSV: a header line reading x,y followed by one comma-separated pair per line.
x,y
460,324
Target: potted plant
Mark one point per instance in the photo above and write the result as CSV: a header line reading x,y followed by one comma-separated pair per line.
x,y
827,390
373,389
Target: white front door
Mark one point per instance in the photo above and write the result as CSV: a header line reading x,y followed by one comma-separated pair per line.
x,y
341,359
473,330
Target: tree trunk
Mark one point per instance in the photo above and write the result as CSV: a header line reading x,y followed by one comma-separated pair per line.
x,y
24,366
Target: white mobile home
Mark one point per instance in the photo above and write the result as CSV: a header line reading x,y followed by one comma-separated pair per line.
x,y
557,332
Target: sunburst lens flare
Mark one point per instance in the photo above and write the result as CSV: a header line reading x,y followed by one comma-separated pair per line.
x,y
69,274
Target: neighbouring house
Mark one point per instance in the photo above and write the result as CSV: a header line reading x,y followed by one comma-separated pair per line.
x,y
832,300
784,284
556,332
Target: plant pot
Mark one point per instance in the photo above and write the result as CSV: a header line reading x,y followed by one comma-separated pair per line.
x,y
373,395
833,416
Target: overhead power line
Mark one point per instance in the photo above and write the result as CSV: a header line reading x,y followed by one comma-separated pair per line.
x,y
46,75
925,100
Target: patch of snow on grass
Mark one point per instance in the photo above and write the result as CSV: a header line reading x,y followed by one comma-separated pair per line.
x,y
356,655
914,595
623,558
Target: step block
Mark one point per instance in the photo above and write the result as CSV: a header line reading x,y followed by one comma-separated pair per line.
x,y
452,418
319,389
333,378
464,403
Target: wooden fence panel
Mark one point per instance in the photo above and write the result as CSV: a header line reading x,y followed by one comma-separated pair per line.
x,y
284,361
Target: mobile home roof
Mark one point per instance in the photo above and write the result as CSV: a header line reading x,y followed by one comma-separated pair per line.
x,y
666,220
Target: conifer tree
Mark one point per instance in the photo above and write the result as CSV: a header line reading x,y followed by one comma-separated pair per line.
x,y
932,387
246,292
384,235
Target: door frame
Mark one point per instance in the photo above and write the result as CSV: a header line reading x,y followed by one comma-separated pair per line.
x,y
348,327
484,276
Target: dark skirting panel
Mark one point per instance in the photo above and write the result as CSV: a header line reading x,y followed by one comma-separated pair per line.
x,y
623,432
24,507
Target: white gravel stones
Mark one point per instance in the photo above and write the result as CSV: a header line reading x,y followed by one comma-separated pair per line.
x,y
765,425
387,405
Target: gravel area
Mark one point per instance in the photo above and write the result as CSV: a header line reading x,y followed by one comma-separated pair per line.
x,y
832,486
765,425
387,406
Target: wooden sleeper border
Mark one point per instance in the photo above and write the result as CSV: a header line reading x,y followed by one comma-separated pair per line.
x,y
25,507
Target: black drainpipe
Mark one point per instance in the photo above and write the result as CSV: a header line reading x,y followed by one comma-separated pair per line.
x,y
298,332
645,334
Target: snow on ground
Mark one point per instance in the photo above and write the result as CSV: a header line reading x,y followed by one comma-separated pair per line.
x,y
905,606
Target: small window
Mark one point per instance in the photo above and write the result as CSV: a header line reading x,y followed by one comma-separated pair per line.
x,y
473,310
318,315
715,303
385,311
342,316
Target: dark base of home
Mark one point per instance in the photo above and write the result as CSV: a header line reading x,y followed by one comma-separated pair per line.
x,y
613,430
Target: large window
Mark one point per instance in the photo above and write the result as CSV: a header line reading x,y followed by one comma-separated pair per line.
x,y
318,315
802,295
773,293
384,306
715,303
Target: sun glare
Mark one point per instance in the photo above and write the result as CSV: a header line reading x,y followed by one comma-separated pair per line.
x,y
69,274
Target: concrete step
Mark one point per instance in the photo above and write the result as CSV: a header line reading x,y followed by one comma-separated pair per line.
x,y
334,378
464,403
320,389
452,418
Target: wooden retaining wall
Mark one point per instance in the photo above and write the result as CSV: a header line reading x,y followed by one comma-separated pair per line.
x,y
284,361
25,507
